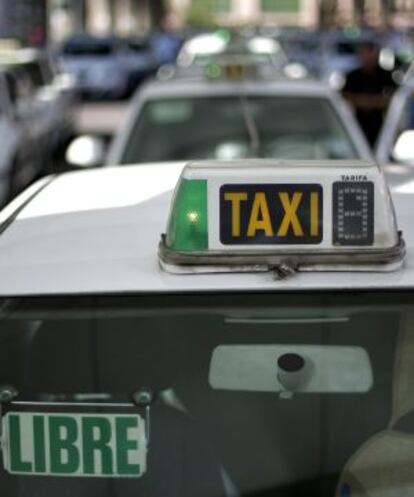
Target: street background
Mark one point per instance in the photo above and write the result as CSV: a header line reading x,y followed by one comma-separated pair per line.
x,y
72,67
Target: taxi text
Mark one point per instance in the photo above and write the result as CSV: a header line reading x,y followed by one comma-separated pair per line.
x,y
271,214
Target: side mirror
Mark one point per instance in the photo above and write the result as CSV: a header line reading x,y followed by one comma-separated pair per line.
x,y
404,148
86,151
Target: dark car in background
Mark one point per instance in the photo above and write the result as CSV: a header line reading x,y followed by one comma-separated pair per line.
x,y
51,94
96,65
139,60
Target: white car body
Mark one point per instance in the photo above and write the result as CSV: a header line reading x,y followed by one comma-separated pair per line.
x,y
86,243
182,88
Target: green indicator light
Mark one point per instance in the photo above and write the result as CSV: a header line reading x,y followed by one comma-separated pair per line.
x,y
187,229
224,34
213,71
353,32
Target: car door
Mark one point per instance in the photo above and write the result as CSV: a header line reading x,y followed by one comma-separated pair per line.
x,y
27,161
9,133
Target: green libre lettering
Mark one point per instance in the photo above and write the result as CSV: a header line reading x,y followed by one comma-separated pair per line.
x,y
75,445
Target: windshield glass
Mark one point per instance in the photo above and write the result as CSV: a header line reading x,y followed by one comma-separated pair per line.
x,y
35,73
91,48
268,127
244,395
346,48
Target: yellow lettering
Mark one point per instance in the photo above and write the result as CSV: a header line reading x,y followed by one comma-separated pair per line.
x,y
235,199
314,214
290,218
260,217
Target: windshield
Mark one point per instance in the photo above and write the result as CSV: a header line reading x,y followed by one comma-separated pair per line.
x,y
268,127
87,49
238,395
35,73
346,48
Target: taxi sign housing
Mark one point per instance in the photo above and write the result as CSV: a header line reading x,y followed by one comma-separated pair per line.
x,y
258,215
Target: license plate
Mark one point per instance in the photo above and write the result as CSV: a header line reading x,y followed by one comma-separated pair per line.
x,y
81,445
271,214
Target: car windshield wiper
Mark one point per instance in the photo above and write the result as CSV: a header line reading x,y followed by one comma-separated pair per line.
x,y
251,127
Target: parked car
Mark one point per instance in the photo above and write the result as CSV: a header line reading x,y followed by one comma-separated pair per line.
x,y
229,119
395,145
96,65
230,113
139,59
21,152
53,94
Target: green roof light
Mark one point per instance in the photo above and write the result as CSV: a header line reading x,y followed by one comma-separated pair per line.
x,y
187,229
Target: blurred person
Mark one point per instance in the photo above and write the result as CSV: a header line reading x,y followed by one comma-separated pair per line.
x,y
369,89
165,42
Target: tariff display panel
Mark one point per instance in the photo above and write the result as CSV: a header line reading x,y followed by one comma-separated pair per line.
x,y
353,213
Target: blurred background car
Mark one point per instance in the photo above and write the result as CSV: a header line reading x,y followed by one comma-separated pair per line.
x,y
395,148
22,154
302,46
225,118
244,124
95,63
139,59
200,50
53,97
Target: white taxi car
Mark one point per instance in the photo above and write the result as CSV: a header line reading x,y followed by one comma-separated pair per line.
x,y
257,112
254,117
251,334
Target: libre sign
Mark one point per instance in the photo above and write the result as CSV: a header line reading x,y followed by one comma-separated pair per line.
x,y
91,445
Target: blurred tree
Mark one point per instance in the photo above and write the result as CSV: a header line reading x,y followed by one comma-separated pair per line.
x,y
198,16
112,14
388,7
78,9
157,11
327,13
360,6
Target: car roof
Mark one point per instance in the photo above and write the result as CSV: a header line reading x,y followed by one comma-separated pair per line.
x,y
58,239
199,86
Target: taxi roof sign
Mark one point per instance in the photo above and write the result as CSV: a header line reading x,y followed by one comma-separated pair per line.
x,y
258,215
234,68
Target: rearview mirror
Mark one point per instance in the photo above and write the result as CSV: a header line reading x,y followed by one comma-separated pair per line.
x,y
259,368
86,151
404,147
